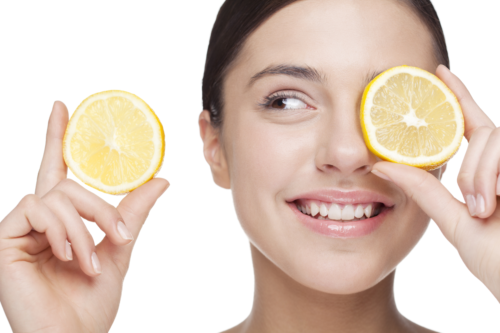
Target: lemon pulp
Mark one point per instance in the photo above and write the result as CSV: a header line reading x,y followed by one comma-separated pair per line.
x,y
409,116
114,142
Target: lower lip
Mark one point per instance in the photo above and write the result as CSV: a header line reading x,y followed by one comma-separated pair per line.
x,y
337,229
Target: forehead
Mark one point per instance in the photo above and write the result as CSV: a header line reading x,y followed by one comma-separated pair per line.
x,y
340,37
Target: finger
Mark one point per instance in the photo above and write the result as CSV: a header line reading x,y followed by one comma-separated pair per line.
x,y
474,117
81,241
93,208
134,208
37,243
32,214
53,168
428,192
486,176
33,243
469,167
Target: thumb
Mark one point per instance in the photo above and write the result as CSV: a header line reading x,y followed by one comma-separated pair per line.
x,y
134,209
428,192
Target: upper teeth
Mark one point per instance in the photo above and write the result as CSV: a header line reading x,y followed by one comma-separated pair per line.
x,y
335,211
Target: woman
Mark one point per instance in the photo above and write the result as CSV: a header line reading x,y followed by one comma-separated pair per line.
x,y
281,90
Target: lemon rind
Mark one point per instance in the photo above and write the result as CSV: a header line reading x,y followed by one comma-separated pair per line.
x,y
158,137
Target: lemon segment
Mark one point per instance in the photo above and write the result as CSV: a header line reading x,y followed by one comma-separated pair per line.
x,y
114,142
410,116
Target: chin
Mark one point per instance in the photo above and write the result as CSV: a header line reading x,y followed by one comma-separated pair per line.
x,y
288,247
346,274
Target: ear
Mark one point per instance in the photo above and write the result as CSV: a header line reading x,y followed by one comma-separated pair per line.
x,y
212,149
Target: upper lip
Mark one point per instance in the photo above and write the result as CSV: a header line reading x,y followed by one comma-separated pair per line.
x,y
345,197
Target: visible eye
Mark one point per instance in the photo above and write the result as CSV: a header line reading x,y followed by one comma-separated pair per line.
x,y
286,100
288,104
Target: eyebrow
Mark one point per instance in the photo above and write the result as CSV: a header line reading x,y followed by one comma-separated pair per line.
x,y
306,73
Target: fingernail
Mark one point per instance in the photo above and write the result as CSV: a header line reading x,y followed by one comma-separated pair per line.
x,y
96,263
69,253
123,231
481,207
471,204
381,175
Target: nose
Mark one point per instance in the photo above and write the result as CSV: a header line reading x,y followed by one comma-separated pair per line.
x,y
342,148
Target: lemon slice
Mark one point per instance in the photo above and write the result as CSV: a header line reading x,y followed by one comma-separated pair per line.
x,y
114,142
410,116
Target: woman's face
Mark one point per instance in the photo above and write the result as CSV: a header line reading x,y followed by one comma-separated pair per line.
x,y
292,137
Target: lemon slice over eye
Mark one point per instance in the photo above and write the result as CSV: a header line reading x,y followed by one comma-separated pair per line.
x,y
410,116
114,142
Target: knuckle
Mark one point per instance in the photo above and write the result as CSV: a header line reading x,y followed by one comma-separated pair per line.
x,y
480,132
85,238
464,179
88,239
108,214
421,182
30,201
129,210
482,178
114,215
483,130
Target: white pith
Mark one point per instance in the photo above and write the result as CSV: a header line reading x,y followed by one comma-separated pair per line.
x,y
412,120
338,212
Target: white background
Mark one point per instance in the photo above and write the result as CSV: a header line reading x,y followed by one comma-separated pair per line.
x,y
191,269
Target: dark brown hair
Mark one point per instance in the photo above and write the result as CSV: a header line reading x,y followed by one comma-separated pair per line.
x,y
237,19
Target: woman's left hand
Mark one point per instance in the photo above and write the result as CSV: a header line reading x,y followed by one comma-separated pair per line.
x,y
473,228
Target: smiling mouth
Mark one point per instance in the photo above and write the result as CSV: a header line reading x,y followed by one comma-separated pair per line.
x,y
338,212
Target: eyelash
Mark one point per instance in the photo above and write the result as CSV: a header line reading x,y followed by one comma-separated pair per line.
x,y
269,100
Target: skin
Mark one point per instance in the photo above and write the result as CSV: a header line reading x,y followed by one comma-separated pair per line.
x,y
44,288
305,282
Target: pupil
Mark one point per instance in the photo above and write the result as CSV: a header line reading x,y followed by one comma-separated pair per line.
x,y
279,103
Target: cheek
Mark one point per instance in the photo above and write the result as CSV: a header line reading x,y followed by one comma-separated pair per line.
x,y
263,161
406,227
260,153
357,265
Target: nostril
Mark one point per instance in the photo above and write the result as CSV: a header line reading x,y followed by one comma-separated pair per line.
x,y
329,167
365,169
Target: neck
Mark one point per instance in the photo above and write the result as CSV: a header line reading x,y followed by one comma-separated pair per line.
x,y
283,305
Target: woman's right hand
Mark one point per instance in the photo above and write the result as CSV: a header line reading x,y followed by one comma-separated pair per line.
x,y
53,278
